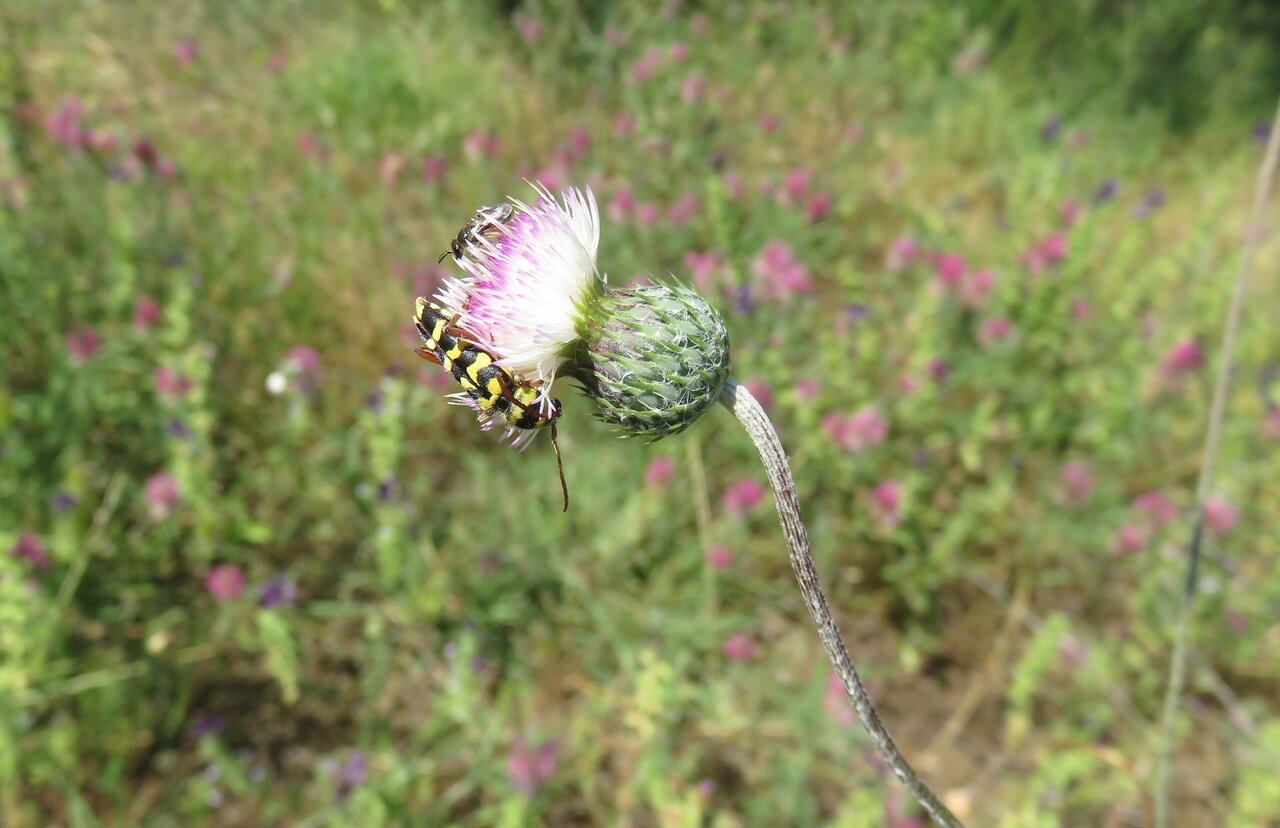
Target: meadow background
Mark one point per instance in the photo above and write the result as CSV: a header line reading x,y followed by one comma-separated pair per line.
x,y
255,571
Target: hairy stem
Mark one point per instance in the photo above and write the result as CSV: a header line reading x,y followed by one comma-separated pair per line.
x,y
744,406
1213,434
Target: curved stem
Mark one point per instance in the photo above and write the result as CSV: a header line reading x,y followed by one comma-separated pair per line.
x,y
1178,661
744,406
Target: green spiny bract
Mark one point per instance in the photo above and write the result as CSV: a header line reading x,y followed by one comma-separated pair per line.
x,y
655,357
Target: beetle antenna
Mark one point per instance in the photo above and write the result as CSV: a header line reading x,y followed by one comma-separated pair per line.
x,y
560,467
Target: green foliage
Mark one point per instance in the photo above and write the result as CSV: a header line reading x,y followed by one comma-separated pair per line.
x,y
276,580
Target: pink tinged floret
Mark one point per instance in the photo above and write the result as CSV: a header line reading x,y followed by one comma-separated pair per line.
x,y
63,124
225,582
523,292
768,123
679,51
794,186
740,647
742,496
659,471
623,124
1080,310
733,185
1219,516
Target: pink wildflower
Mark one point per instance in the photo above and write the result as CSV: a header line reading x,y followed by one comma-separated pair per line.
x,y
63,124
1070,212
529,768
901,254
857,432
1072,651
818,207
186,51
659,471
303,358
1077,481
433,168
1054,248
1184,358
886,503
531,29
742,496
1219,515
479,144
390,166
146,313
171,385
620,205
1129,539
30,549
623,124
162,494
976,288
1271,425
807,389
951,269
719,557
683,209
794,186
693,88
647,214
1156,506
740,647
780,274
225,582
994,330
1080,309
705,269
644,68
679,51
82,344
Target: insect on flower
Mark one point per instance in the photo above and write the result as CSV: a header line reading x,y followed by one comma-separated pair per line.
x,y
494,391
488,221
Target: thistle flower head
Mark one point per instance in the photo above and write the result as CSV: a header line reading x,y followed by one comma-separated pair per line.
x,y
654,357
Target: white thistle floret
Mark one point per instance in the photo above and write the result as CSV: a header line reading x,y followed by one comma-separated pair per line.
x,y
526,291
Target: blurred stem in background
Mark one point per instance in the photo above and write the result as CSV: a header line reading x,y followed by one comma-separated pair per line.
x,y
1178,661
744,406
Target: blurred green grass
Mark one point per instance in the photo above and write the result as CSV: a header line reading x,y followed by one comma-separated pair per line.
x,y
448,620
